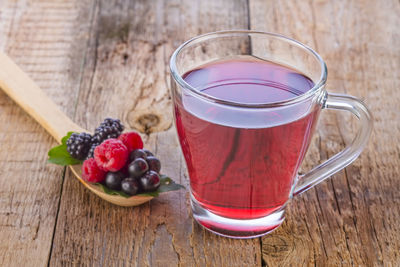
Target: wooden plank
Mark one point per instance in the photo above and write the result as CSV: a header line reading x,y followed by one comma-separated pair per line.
x,y
351,219
126,76
46,39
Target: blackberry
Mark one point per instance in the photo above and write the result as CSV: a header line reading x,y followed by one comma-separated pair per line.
x,y
109,128
113,123
78,145
91,150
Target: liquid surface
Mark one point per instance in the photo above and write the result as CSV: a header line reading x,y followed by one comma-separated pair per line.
x,y
235,171
248,81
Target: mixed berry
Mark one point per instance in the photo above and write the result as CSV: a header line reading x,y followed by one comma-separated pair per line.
x,y
116,159
78,145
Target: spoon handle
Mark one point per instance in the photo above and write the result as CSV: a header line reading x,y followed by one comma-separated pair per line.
x,y
27,94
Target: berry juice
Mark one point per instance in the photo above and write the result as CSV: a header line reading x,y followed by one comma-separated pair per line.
x,y
243,166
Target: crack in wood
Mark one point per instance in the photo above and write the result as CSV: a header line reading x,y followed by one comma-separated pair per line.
x,y
350,197
314,23
96,47
318,222
374,240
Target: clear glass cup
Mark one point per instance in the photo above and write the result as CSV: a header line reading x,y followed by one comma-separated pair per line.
x,y
211,130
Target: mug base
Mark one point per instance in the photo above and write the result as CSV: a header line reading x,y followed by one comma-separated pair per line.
x,y
236,228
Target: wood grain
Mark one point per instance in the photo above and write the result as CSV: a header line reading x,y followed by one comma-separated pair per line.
x,y
110,58
44,38
126,76
27,94
352,219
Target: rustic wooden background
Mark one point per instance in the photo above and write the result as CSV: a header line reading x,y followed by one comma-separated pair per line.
x,y
110,58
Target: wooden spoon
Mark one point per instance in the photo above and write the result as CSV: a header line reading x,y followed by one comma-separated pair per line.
x,y
27,94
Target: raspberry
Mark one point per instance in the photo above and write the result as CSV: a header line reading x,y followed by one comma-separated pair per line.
x,y
131,140
111,155
91,172
78,145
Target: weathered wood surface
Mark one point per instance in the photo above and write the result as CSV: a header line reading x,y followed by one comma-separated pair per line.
x,y
45,39
353,218
126,73
110,58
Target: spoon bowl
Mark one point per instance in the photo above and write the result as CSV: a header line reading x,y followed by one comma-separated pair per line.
x,y
115,199
27,94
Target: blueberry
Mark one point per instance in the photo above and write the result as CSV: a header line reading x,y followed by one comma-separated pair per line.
x,y
137,168
150,181
137,153
154,164
113,180
148,153
130,186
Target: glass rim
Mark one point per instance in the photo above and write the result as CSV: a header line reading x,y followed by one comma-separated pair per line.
x,y
314,90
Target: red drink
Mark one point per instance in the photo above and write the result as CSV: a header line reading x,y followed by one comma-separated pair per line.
x,y
243,167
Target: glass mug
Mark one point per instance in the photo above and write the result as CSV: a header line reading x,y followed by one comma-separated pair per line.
x,y
245,106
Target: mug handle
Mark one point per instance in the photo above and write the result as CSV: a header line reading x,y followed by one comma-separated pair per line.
x,y
350,153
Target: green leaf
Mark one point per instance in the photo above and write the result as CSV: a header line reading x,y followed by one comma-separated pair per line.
x,y
65,138
151,194
60,156
111,191
166,185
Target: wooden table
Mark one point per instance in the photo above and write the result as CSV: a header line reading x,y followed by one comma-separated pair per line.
x,y
110,58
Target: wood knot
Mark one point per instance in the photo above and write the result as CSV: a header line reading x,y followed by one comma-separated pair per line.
x,y
125,57
147,121
275,246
